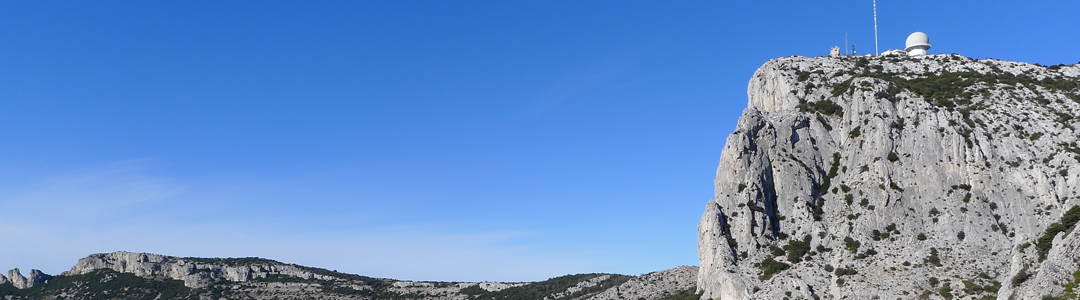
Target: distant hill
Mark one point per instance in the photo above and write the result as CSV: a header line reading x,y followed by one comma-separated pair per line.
x,y
127,275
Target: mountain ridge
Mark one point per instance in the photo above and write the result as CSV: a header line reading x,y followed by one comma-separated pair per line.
x,y
130,275
897,176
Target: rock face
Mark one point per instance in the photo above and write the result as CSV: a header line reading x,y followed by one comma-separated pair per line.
x,y
20,282
654,285
128,275
895,177
195,272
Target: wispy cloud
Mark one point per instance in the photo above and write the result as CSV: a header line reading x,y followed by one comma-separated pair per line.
x,y
49,222
600,77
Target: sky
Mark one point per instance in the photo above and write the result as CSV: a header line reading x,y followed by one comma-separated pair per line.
x,y
416,140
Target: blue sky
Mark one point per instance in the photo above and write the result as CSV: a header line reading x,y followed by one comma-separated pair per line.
x,y
421,140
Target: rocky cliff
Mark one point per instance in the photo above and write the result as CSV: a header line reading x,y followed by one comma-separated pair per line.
x,y
16,279
891,177
128,275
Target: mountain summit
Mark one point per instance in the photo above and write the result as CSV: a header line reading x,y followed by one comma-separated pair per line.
x,y
888,177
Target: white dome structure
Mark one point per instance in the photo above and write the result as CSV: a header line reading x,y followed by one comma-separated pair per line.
x,y
917,43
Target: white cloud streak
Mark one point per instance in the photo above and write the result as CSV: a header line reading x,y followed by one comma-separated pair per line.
x,y
49,222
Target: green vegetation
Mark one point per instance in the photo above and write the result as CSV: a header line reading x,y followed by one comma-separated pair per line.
x,y
868,253
851,244
776,251
825,106
833,169
854,133
933,259
687,294
1020,277
797,249
1066,224
892,157
921,237
233,261
103,284
1070,287
960,235
769,267
945,292
845,271
540,290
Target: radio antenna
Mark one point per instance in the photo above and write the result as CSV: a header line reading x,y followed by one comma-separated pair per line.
x,y
875,29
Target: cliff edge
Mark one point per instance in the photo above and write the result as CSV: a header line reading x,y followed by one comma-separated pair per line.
x,y
896,177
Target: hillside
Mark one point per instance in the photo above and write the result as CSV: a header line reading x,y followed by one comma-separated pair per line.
x,y
127,275
896,177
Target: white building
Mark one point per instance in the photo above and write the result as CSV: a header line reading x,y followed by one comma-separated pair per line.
x,y
917,44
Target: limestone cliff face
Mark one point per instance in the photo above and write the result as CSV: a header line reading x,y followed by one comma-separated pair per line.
x,y
897,176
16,278
194,272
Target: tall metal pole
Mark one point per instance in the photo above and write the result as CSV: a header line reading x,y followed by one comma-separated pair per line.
x,y
875,29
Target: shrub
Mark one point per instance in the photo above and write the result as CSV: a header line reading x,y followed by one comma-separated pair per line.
x,y
933,259
945,292
796,249
687,294
776,251
851,244
1065,224
769,267
845,271
960,235
971,287
893,157
1020,277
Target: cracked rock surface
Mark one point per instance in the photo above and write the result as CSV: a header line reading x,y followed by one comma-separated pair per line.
x,y
897,177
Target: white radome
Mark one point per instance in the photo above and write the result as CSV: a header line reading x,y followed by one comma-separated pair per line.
x,y
917,43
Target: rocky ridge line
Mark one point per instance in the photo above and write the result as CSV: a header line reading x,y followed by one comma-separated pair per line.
x,y
169,277
894,177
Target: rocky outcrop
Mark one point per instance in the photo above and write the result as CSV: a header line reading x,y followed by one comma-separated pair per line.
x,y
16,278
157,276
894,177
654,285
195,272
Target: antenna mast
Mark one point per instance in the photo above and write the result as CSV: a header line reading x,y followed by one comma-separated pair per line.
x,y
875,29
846,50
